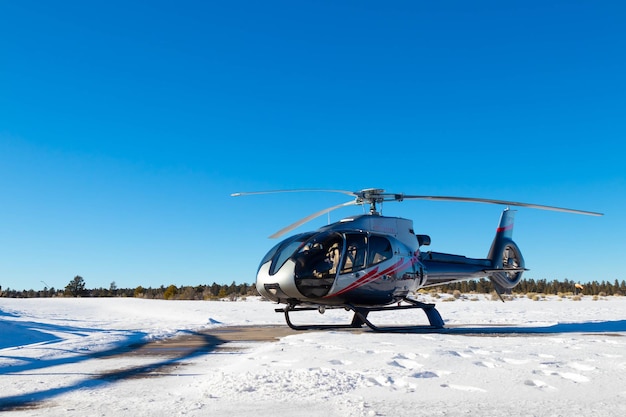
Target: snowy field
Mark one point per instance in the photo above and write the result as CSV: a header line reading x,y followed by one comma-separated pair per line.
x,y
556,357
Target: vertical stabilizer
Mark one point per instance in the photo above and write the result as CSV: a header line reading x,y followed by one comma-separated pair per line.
x,y
504,232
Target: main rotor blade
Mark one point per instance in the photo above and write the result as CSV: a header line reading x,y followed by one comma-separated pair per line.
x,y
309,218
292,191
502,202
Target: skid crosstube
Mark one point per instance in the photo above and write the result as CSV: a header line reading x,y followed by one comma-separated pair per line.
x,y
360,317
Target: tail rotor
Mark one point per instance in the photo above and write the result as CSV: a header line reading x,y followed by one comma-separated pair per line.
x,y
506,257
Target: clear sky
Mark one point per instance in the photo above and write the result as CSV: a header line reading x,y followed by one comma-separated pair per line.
x,y
125,126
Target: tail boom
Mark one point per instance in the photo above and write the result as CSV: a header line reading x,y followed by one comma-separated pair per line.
x,y
504,264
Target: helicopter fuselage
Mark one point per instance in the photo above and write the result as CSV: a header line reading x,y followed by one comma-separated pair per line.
x,y
372,260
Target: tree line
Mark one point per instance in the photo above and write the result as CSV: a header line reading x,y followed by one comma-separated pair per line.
x,y
77,288
542,286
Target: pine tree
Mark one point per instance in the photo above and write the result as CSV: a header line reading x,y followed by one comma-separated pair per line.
x,y
76,287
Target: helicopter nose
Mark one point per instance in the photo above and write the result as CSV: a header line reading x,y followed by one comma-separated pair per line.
x,y
280,286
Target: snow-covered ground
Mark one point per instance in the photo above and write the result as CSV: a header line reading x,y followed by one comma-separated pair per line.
x,y
556,357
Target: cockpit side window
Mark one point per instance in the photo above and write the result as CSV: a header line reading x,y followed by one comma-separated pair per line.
x,y
379,250
356,251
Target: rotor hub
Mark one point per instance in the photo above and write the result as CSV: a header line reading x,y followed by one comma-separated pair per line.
x,y
372,196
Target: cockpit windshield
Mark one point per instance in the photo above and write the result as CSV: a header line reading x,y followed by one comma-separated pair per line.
x,y
282,251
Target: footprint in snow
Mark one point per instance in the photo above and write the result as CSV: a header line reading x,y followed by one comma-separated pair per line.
x,y
566,375
459,354
465,388
512,361
426,374
405,363
581,366
406,356
485,364
539,384
339,362
383,381
574,377
546,356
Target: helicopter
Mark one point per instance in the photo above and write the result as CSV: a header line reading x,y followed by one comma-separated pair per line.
x,y
370,262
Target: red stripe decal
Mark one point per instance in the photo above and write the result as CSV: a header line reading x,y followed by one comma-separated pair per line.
x,y
502,229
374,275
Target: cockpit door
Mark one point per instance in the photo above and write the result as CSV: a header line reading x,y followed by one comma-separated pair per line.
x,y
317,264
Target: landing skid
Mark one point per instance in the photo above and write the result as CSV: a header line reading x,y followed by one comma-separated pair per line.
x,y
360,317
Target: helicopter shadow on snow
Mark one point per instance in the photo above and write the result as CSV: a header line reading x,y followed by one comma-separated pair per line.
x,y
44,336
613,328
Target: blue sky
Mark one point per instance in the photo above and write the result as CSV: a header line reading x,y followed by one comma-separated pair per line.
x,y
125,126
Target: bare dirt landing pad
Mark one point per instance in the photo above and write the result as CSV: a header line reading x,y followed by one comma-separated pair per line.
x,y
207,341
